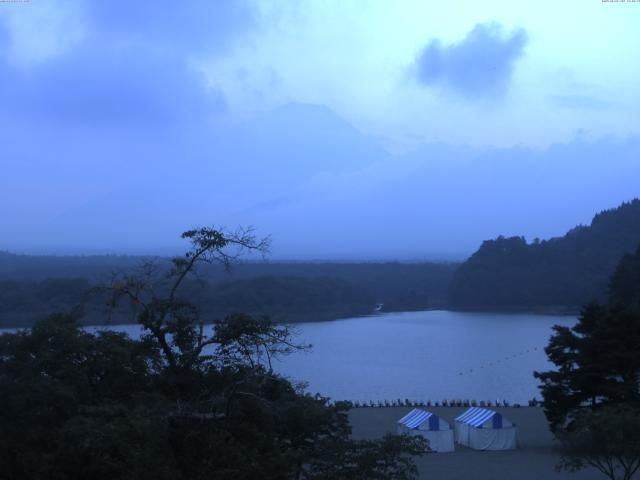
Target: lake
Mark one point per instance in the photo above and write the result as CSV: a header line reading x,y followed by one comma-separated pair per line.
x,y
432,355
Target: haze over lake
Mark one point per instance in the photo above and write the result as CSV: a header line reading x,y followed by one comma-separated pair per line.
x,y
429,355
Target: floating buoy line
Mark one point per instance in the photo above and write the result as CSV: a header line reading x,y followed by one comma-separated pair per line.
x,y
499,361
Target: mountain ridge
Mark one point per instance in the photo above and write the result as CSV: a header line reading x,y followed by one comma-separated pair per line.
x,y
560,273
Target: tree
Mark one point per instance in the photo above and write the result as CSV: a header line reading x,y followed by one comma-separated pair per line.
x,y
389,458
182,402
593,396
606,439
598,359
171,321
558,274
624,288
63,394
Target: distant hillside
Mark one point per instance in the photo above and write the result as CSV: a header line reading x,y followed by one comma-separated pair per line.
x,y
32,286
40,267
557,274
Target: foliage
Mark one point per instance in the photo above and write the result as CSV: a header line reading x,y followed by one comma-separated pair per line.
x,y
624,286
368,459
56,380
31,286
606,439
557,274
592,399
287,292
290,297
598,359
51,293
184,402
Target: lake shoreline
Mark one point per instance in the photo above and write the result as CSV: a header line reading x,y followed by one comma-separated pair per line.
x,y
561,311
26,320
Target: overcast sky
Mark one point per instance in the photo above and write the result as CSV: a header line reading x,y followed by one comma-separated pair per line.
x,y
345,129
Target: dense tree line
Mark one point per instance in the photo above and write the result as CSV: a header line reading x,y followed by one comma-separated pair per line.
x,y
557,274
40,267
288,292
48,295
186,401
592,398
289,298
285,299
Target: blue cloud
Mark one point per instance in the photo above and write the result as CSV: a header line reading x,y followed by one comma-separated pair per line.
x,y
5,38
481,65
133,66
195,25
102,85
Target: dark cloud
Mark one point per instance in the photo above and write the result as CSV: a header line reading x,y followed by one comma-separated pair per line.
x,y
133,67
105,84
119,105
480,65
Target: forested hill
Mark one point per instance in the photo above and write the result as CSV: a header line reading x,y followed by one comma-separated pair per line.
x,y
554,275
32,286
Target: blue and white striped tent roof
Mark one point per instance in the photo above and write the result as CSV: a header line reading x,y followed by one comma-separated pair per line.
x,y
417,417
476,416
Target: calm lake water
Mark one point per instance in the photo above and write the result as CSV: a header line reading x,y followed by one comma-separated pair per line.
x,y
432,355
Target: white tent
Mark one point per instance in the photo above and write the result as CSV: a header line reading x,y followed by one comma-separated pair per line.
x,y
428,425
484,429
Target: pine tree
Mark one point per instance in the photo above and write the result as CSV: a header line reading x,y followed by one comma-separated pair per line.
x,y
593,395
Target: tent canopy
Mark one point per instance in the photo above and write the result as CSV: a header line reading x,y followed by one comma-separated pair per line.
x,y
438,432
478,417
484,429
419,419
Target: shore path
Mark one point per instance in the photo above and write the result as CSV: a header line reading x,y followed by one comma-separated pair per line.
x,y
534,459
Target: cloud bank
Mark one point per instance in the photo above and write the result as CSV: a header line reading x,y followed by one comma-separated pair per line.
x,y
109,85
133,65
115,141
481,65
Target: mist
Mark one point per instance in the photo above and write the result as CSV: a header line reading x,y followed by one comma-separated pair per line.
x,y
117,136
